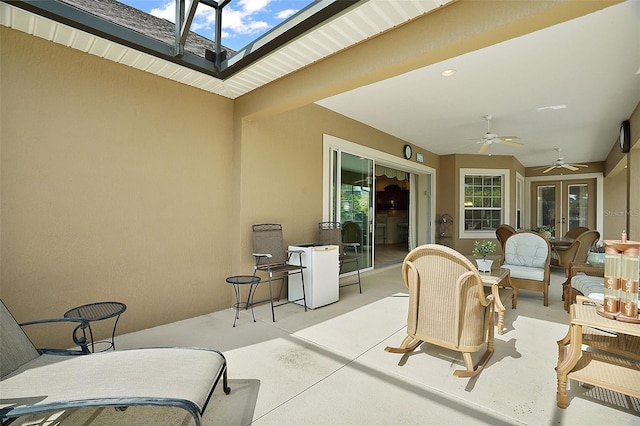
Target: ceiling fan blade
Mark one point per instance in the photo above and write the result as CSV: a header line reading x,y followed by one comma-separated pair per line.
x,y
490,138
570,167
580,165
549,169
510,143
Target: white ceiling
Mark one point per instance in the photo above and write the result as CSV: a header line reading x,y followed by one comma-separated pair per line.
x,y
590,64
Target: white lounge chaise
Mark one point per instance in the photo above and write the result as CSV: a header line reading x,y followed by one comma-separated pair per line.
x,y
36,381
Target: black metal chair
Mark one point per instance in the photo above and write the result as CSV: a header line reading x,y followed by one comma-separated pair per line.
x,y
276,262
330,233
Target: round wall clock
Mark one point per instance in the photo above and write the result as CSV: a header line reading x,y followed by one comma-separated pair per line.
x,y
625,136
407,152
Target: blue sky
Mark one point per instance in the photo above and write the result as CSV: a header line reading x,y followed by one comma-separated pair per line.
x,y
242,20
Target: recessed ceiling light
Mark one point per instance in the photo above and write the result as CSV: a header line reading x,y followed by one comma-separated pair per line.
x,y
448,73
554,107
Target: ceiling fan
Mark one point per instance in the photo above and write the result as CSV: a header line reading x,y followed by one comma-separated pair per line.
x,y
366,182
490,138
560,164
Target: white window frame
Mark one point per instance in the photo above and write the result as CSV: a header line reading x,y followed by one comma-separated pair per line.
x,y
505,174
519,201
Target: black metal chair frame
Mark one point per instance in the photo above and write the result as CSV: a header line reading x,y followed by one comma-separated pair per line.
x,y
276,262
331,233
97,312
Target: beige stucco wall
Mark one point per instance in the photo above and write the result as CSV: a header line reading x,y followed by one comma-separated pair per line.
x,y
449,177
622,179
633,218
115,185
615,204
633,182
282,171
119,185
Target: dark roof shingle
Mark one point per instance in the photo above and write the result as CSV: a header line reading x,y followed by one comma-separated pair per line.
x,y
144,23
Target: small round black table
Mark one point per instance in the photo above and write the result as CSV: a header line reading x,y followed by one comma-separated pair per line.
x,y
237,281
97,312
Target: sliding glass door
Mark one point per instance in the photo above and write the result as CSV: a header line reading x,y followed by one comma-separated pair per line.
x,y
352,201
355,197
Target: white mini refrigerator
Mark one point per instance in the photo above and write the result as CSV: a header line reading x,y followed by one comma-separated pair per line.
x,y
320,275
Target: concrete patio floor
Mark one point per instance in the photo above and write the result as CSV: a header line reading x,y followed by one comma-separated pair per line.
x,y
328,366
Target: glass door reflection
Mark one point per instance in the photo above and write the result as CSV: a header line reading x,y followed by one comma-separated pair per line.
x,y
564,205
355,201
547,208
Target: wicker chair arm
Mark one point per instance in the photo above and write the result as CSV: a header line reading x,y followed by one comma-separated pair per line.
x,y
575,268
485,300
567,254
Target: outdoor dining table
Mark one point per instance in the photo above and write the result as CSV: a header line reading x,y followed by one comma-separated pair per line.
x,y
562,242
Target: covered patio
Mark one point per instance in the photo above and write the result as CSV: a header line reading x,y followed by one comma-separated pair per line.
x,y
126,185
328,366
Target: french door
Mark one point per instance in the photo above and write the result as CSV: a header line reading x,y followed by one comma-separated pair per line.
x,y
564,204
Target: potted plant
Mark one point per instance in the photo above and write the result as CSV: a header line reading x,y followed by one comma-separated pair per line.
x,y
544,230
596,255
483,249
